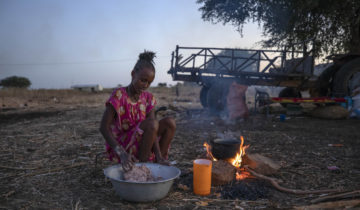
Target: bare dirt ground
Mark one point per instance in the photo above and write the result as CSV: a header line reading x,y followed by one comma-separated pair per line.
x,y
49,146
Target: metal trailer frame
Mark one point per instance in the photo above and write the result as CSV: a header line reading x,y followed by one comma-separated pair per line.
x,y
269,67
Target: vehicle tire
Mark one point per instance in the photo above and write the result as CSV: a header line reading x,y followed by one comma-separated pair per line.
x,y
342,85
289,92
216,97
203,96
324,82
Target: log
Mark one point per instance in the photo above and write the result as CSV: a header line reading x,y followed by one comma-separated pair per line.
x,y
260,164
222,173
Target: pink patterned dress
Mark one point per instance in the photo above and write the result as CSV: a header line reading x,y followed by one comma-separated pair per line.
x,y
129,115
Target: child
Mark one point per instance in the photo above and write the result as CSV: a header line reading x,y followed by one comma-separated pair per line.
x,y
129,126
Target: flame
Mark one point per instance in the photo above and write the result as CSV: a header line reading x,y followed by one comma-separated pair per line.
x,y
209,154
238,158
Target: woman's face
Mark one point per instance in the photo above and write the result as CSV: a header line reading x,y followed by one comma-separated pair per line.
x,y
142,79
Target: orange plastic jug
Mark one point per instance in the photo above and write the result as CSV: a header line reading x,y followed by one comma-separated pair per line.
x,y
202,176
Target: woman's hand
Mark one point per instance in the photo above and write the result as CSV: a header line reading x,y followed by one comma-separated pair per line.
x,y
162,161
127,160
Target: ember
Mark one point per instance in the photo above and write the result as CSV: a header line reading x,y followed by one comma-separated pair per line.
x,y
242,174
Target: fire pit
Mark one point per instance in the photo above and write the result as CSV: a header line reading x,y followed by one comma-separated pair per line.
x,y
229,152
232,174
231,179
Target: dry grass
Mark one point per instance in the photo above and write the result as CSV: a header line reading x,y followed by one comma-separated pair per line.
x,y
43,93
15,98
19,98
45,148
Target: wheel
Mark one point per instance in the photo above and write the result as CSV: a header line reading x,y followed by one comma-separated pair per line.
x,y
289,92
203,96
216,97
324,82
347,78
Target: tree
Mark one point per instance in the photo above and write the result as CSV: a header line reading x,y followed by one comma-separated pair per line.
x,y
14,81
333,25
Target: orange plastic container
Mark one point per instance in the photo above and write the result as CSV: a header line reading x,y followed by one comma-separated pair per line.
x,y
202,176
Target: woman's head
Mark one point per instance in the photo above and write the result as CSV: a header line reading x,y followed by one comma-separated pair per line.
x,y
143,73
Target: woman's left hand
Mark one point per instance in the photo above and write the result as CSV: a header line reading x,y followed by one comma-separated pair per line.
x,y
163,161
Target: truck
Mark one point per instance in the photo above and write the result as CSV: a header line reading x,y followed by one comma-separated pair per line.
x,y
213,68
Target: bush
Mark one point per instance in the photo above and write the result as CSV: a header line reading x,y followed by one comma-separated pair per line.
x,y
14,81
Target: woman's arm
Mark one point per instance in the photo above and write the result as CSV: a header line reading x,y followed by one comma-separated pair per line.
x,y
156,146
105,126
105,129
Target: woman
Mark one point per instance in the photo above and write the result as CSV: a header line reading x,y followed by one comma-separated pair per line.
x,y
131,131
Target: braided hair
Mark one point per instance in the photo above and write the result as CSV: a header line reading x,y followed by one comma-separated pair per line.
x,y
146,60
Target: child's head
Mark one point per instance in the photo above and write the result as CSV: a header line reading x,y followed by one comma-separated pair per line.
x,y
143,73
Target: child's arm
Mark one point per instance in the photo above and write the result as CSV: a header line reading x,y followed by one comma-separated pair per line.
x,y
105,129
156,146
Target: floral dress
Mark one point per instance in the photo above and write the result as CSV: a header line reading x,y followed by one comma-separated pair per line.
x,y
129,115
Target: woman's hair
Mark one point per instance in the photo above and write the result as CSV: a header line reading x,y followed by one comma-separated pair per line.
x,y
145,61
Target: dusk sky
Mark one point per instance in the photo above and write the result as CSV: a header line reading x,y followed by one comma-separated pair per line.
x,y
59,43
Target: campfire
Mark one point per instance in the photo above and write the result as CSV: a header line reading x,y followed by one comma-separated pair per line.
x,y
227,169
235,161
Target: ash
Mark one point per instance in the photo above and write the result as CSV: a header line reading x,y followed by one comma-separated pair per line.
x,y
248,189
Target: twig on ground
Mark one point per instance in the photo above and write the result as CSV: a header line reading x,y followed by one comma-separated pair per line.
x,y
6,195
220,200
13,168
352,194
293,191
54,170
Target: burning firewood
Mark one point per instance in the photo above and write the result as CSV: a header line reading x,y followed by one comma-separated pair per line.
x,y
222,173
261,164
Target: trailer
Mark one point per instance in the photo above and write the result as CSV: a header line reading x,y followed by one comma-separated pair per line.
x,y
213,68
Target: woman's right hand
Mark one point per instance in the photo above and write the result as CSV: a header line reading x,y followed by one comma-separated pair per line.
x,y
127,160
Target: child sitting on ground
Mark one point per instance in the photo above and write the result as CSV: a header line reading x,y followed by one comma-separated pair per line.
x,y
131,131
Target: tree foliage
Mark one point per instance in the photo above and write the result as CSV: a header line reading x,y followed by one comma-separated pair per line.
x,y
17,82
333,25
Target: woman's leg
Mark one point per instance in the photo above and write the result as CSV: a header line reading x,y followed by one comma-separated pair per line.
x,y
166,132
150,128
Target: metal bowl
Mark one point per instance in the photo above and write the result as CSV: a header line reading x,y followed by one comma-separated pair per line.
x,y
143,191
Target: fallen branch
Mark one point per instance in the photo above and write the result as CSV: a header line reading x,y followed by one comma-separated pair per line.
x,y
352,194
350,204
220,200
13,168
293,191
6,195
54,170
